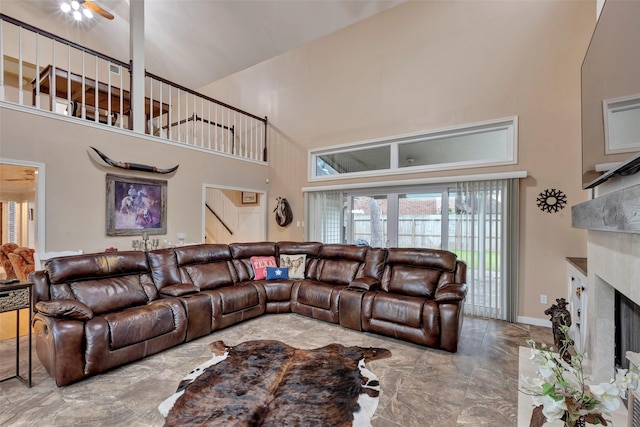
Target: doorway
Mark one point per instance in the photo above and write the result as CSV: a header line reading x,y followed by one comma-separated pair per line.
x,y
20,200
234,215
21,220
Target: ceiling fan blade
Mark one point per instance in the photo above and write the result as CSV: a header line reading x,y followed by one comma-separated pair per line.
x,y
97,9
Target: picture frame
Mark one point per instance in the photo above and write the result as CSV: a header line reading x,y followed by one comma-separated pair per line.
x,y
135,205
249,198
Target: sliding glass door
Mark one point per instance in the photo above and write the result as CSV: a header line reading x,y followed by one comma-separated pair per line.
x,y
484,235
476,220
367,221
403,219
422,220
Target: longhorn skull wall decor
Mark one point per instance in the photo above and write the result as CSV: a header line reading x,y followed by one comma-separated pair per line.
x,y
284,215
133,166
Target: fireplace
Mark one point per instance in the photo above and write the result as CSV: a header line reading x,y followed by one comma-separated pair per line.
x,y
612,305
627,346
627,329
613,265
633,403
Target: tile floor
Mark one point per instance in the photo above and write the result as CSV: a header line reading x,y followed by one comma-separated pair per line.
x,y
478,386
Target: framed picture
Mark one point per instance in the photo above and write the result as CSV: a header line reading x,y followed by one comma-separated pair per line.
x,y
249,198
136,205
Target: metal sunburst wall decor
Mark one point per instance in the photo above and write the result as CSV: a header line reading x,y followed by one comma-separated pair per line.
x,y
551,201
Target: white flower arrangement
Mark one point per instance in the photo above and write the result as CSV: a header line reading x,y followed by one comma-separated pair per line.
x,y
560,391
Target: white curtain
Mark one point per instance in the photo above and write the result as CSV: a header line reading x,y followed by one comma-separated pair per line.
x,y
485,236
324,216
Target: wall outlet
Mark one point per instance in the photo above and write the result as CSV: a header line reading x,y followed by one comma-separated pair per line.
x,y
543,299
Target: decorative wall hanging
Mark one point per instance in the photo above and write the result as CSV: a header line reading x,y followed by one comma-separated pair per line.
x,y
249,198
133,166
136,206
551,200
284,215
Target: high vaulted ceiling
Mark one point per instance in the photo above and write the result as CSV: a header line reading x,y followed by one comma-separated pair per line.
x,y
196,42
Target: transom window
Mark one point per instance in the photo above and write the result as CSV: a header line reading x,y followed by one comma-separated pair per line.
x,y
476,145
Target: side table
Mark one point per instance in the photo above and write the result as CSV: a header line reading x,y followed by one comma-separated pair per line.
x,y
14,297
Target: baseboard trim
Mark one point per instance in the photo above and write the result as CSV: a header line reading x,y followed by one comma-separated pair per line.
x,y
534,321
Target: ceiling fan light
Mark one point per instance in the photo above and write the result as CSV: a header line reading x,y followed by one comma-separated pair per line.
x,y
77,15
65,7
75,5
87,13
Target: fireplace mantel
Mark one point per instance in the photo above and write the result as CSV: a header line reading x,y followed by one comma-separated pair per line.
x,y
618,211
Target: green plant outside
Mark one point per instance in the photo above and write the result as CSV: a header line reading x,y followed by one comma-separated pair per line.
x,y
491,262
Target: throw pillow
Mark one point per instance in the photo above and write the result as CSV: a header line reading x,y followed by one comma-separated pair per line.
x,y
260,264
274,273
296,265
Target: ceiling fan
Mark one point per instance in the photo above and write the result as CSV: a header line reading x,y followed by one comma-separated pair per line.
x,y
86,8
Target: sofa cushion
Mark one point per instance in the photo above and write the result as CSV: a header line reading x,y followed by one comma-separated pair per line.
x,y
315,294
425,258
344,252
339,272
412,281
164,267
418,272
210,276
199,254
260,264
295,263
247,250
277,290
139,324
94,266
239,297
277,273
311,249
398,309
110,294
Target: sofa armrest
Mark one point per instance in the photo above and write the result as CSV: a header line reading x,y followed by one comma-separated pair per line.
x,y
365,283
179,290
451,292
65,309
60,347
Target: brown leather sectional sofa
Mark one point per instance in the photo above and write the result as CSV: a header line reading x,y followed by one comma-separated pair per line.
x,y
98,311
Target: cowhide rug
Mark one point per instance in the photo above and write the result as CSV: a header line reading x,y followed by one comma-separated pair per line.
x,y
268,383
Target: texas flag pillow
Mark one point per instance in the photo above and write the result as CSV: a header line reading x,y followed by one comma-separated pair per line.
x,y
260,264
275,273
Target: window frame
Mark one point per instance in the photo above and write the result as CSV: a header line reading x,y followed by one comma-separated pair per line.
x,y
510,124
609,109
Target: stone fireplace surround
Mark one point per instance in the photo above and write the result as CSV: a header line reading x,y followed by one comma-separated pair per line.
x,y
613,263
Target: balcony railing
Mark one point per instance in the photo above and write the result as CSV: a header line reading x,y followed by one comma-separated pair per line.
x,y
43,71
